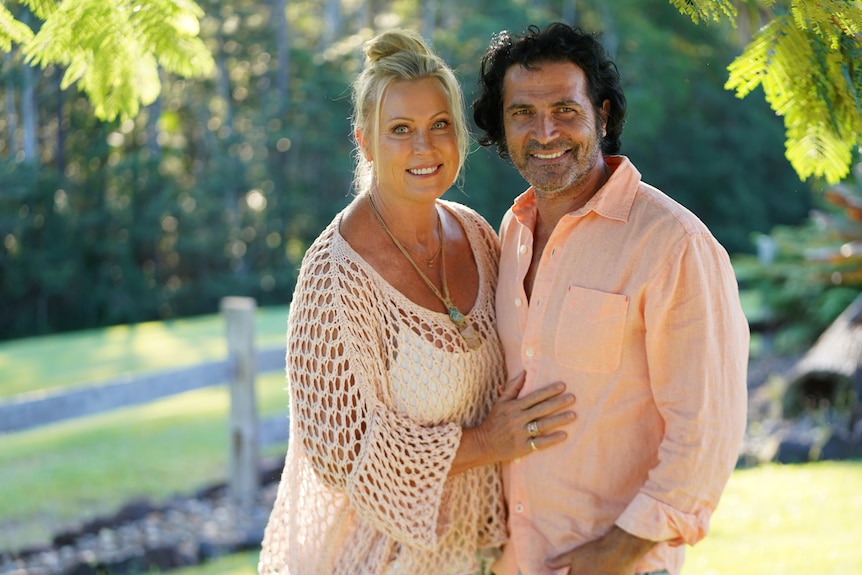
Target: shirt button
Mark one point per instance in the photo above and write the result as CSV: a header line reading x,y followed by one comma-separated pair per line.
x,y
529,352
519,508
522,249
518,302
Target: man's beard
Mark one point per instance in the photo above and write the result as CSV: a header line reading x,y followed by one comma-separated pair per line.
x,y
553,180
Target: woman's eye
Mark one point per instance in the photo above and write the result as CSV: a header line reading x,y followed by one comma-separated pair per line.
x,y
400,130
441,124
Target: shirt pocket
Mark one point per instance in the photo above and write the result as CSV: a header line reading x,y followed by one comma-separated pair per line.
x,y
591,329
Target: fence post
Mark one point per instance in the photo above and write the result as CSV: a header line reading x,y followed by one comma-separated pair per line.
x,y
243,461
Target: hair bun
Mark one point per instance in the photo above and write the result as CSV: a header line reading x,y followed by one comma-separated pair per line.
x,y
394,41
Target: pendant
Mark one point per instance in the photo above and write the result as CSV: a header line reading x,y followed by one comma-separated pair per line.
x,y
455,315
470,335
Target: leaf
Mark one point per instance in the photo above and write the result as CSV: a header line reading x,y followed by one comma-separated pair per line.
x,y
12,30
707,10
113,49
811,77
816,150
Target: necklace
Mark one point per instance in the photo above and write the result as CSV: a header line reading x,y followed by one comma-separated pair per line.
x,y
471,338
430,261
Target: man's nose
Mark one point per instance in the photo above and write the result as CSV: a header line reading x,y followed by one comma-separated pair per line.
x,y
545,128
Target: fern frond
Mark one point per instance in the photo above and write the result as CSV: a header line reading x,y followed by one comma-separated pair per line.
x,y
830,19
169,29
815,87
707,10
816,150
12,30
112,49
42,9
748,69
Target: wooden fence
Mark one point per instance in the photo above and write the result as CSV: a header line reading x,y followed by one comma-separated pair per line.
x,y
238,370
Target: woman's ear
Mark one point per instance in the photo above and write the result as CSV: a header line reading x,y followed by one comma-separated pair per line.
x,y
363,145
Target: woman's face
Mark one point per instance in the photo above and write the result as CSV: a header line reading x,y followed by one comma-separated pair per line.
x,y
417,152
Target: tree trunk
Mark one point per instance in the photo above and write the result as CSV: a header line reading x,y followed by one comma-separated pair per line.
x,y
429,19
11,107
331,23
28,115
569,12
610,40
282,40
60,154
154,112
831,371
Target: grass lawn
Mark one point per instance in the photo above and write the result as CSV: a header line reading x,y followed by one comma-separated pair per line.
x,y
785,520
79,469
90,356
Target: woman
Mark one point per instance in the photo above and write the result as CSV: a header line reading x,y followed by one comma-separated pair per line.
x,y
393,361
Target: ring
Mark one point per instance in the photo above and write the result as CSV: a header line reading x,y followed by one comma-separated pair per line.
x,y
533,429
533,445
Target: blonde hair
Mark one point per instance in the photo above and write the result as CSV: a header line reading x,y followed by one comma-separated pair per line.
x,y
399,55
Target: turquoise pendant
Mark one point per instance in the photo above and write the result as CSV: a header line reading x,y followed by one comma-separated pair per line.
x,y
455,315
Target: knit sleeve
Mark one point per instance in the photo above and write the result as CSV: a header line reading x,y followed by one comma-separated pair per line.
x,y
393,470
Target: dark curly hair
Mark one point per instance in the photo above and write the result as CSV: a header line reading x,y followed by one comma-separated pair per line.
x,y
556,43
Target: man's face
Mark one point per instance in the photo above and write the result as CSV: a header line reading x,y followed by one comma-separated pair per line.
x,y
552,129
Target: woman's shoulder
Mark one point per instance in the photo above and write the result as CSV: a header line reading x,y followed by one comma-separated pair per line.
x,y
469,217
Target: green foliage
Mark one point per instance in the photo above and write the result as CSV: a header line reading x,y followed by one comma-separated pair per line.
x,y
11,30
691,138
808,63
816,272
113,48
708,10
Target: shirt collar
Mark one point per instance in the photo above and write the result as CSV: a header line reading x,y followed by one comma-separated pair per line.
x,y
613,200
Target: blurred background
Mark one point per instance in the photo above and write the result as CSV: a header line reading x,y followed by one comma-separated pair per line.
x,y
127,215
219,185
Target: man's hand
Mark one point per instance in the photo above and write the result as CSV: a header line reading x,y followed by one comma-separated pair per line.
x,y
615,553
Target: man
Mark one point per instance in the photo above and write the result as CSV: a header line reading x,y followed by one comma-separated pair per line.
x,y
612,287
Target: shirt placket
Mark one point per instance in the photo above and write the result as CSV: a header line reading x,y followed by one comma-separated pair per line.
x,y
518,504
531,315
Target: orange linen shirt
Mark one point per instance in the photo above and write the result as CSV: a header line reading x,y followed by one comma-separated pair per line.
x,y
636,308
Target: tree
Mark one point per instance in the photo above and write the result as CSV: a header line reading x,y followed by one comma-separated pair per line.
x,y
112,48
808,60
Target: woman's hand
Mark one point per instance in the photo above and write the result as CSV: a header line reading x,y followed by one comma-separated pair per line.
x,y
515,427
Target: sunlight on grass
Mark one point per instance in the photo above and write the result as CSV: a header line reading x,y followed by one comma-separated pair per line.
x,y
91,356
793,520
59,474
239,564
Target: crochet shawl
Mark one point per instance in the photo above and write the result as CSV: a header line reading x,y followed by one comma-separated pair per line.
x,y
380,389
